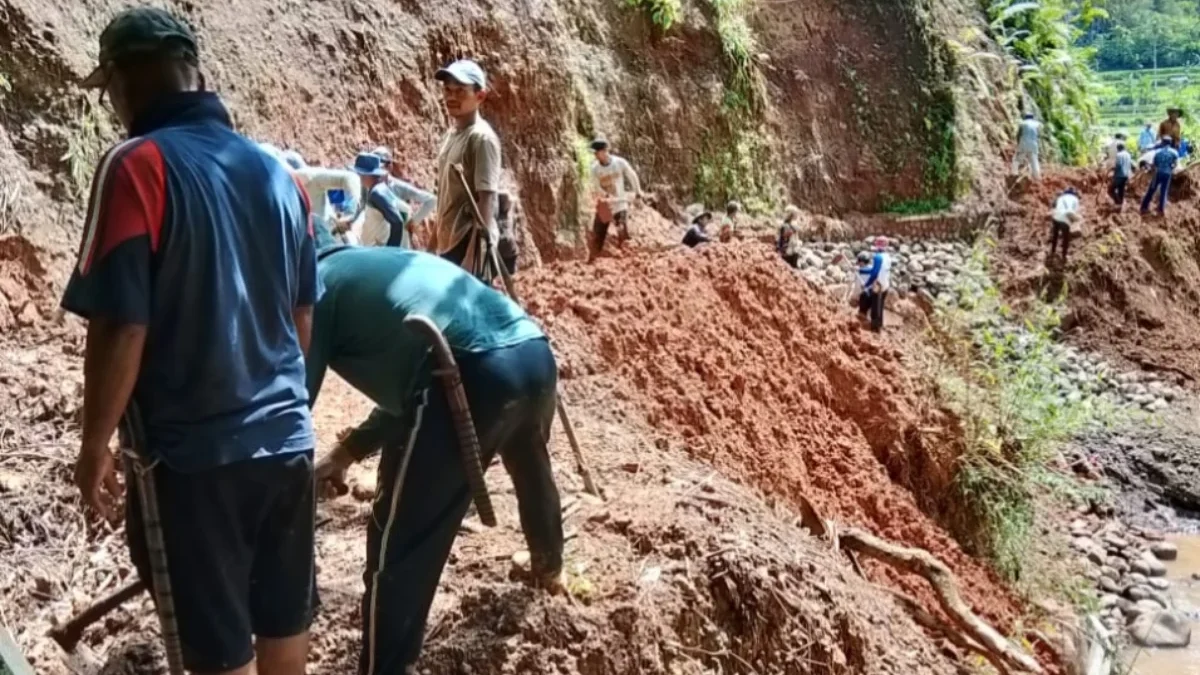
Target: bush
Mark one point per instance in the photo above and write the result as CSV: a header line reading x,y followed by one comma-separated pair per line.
x,y
662,13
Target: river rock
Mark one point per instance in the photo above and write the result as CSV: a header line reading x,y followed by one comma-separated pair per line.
x,y
1109,585
1108,601
1136,579
1159,583
1110,573
1161,629
1150,568
1137,593
1133,610
1165,550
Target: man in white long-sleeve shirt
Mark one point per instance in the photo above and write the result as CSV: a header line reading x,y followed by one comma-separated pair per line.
x,y
613,183
425,202
1066,211
1028,132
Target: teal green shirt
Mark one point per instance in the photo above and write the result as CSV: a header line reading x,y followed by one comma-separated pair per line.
x,y
359,332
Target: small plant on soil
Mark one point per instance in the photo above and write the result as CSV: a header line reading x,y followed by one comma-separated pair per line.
x,y
662,13
85,145
1002,386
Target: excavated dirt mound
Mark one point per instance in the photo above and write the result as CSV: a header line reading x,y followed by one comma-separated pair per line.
x,y
761,377
1132,283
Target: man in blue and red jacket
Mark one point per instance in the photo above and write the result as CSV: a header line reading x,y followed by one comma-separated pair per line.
x,y
197,275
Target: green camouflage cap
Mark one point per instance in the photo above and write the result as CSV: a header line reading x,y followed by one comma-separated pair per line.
x,y
142,31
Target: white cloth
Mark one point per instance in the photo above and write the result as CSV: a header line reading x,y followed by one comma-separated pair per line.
x,y
609,181
318,181
426,201
1066,209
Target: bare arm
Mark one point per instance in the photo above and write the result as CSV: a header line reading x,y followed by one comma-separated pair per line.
x,y
110,370
487,209
303,318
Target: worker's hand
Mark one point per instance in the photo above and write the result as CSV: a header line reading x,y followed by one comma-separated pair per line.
x,y
96,476
331,472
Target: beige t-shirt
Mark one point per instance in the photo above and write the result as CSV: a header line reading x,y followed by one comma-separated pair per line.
x,y
477,148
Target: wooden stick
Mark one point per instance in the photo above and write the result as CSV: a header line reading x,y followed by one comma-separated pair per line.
x,y
68,634
510,288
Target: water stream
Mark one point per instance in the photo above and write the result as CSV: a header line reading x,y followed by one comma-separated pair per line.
x,y
1185,594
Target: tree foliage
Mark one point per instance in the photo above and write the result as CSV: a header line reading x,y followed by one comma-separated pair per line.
x,y
1054,72
1146,33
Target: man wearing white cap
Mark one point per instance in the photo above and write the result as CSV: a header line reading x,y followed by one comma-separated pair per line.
x,y
425,202
473,145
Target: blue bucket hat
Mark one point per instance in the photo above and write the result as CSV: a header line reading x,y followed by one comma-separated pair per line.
x,y
367,164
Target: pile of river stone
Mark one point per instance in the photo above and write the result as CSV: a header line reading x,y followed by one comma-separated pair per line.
x,y
1084,377
930,266
1127,566
939,269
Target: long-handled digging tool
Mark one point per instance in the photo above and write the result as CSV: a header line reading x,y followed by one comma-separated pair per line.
x,y
68,634
494,259
460,411
141,467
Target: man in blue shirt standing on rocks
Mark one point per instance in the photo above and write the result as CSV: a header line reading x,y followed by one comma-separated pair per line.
x,y
1165,161
197,276
510,380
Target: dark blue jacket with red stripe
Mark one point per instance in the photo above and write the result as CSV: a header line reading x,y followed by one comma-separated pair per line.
x,y
195,232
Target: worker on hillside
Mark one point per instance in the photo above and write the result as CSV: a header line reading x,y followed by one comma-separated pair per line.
x,y
1028,133
729,223
1170,128
1122,172
384,220
506,248
319,182
509,375
696,234
197,275
426,202
1147,138
1165,161
1066,212
1110,148
472,146
613,182
787,244
875,280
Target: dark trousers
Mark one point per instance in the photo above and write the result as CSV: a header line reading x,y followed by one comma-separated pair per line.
x,y
1116,189
792,259
1161,183
239,541
600,231
422,493
1059,231
871,304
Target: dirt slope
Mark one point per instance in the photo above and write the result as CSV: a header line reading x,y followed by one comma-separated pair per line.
x,y
761,377
856,94
1132,283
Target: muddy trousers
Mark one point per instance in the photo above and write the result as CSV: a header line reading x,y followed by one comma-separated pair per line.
x,y
1116,189
1027,157
1059,231
421,501
872,304
1162,184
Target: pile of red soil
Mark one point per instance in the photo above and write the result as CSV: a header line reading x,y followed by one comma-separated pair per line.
x,y
1132,283
761,376
24,291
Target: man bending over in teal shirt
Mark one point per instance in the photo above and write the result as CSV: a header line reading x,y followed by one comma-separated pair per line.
x,y
510,378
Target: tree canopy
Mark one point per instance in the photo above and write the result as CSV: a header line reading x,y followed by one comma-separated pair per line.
x,y
1137,33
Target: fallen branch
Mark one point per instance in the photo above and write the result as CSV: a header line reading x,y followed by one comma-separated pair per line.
x,y
922,563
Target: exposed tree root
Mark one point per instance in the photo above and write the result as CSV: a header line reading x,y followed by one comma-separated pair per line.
x,y
917,561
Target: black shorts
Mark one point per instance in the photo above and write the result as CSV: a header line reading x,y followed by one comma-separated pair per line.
x,y
239,542
600,227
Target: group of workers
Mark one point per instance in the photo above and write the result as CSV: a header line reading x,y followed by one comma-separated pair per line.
x,y
1159,154
218,291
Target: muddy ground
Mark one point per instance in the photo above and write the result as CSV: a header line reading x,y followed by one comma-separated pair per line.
x,y
710,389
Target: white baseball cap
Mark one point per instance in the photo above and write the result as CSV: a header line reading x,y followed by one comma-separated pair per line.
x,y
463,71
